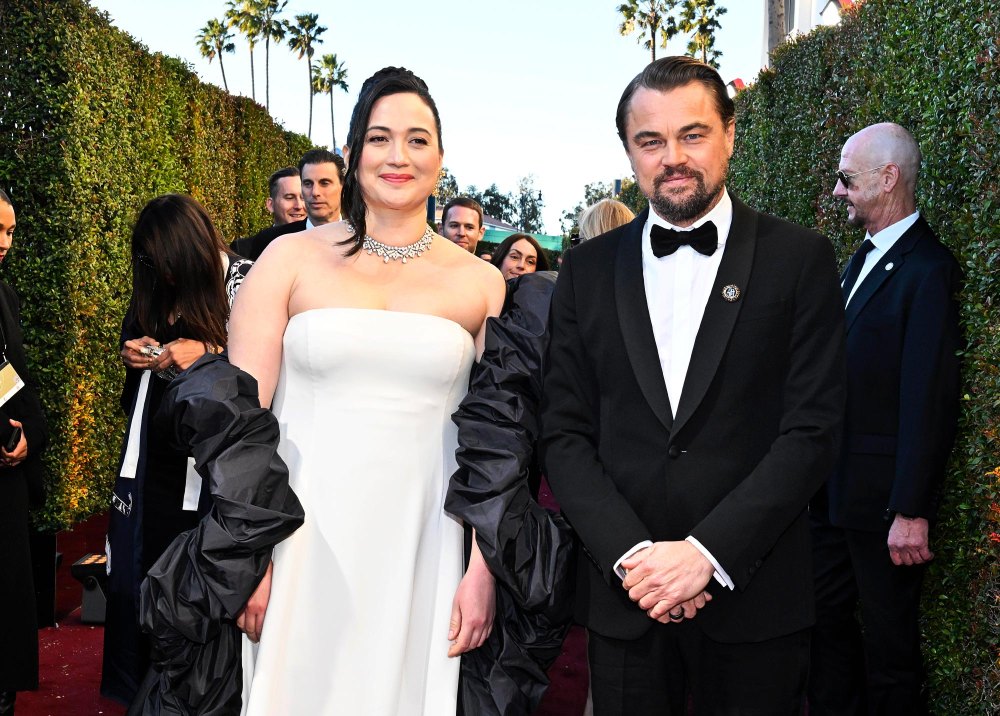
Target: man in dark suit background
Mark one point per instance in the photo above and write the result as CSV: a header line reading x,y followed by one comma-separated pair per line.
x,y
20,486
871,521
693,400
322,177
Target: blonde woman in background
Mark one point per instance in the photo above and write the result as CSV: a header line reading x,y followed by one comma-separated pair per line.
x,y
605,215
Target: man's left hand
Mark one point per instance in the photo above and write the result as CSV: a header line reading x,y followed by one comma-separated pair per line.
x,y
909,542
666,574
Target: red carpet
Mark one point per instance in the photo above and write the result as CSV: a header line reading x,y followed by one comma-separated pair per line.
x,y
70,652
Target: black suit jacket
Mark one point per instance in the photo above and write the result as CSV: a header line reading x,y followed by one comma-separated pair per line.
x,y
754,435
251,247
903,384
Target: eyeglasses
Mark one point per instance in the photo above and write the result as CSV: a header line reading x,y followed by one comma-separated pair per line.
x,y
845,179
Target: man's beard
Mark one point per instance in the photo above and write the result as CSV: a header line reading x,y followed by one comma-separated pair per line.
x,y
856,219
689,208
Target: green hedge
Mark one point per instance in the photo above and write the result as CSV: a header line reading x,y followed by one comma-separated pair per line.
x,y
92,125
933,67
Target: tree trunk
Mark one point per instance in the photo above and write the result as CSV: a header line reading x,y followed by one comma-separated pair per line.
x,y
253,79
223,68
333,131
775,23
309,63
652,41
267,72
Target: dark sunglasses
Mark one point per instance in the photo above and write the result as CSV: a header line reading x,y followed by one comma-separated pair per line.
x,y
845,179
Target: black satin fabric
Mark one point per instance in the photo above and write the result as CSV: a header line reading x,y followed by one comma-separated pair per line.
x,y
194,591
527,548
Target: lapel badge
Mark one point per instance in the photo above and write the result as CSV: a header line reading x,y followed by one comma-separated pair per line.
x,y
888,266
731,293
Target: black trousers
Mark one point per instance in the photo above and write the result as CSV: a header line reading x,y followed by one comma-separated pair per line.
x,y
675,670
871,667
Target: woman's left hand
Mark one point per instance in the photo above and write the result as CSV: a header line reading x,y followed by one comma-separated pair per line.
x,y
474,606
181,353
20,451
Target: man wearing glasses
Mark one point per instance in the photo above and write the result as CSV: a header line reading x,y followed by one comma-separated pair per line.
x,y
870,523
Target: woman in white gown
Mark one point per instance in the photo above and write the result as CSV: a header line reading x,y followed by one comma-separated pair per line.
x,y
361,335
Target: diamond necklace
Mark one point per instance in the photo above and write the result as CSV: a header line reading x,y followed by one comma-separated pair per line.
x,y
392,253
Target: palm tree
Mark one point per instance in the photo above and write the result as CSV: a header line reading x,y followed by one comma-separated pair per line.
x,y
301,38
701,17
244,15
271,28
654,16
213,40
329,75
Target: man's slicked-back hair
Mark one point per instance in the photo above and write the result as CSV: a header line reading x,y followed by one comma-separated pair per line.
x,y
4,199
323,156
465,201
272,183
668,73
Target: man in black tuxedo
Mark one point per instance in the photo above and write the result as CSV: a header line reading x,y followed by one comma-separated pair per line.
x,y
871,521
693,400
322,177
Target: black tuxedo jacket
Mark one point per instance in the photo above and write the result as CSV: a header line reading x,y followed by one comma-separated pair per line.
x,y
251,247
903,385
754,436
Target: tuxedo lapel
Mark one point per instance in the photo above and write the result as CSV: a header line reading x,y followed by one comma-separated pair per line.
x,y
720,315
633,317
886,267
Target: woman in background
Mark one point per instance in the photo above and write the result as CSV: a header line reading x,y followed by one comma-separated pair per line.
x,y
602,217
519,254
183,281
20,488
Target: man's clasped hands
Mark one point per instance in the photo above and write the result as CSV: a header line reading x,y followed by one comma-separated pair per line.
x,y
668,579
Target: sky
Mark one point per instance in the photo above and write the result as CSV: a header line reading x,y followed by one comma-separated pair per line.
x,y
524,87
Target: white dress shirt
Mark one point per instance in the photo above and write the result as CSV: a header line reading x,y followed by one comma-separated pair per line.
x,y
678,287
883,241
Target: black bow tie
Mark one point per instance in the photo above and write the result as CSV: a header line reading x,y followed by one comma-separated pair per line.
x,y
704,239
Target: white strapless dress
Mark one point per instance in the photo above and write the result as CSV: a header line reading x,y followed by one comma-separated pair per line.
x,y
357,622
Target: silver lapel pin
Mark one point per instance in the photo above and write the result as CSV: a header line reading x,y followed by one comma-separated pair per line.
x,y
731,293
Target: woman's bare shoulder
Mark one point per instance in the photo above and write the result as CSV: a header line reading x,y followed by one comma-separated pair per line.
x,y
470,266
302,248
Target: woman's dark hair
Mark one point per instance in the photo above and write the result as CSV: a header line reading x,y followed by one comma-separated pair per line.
x,y
4,199
541,263
385,82
177,269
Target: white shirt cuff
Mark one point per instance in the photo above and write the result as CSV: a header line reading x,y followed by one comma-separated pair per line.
x,y
617,569
720,574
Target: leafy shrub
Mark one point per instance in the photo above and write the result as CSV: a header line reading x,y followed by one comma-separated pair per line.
x,y
935,69
92,126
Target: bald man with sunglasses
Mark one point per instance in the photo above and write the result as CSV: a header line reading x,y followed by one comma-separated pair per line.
x,y
871,521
